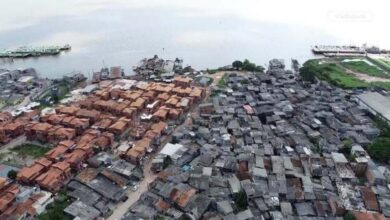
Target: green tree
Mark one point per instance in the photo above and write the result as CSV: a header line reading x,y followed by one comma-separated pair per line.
x,y
167,161
380,149
241,200
349,216
237,64
55,210
383,125
308,71
260,69
248,66
346,148
12,174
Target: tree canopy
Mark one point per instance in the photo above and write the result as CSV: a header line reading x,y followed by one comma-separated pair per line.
x,y
240,199
12,174
380,149
237,64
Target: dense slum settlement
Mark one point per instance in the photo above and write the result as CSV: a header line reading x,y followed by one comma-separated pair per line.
x,y
99,145
266,146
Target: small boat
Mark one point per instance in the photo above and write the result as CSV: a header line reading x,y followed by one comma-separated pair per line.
x,y
66,47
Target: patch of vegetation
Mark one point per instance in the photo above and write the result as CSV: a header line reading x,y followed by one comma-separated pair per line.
x,y
385,61
222,83
12,174
237,64
380,149
363,67
246,65
362,181
349,216
336,75
167,162
55,210
212,71
241,200
159,217
346,148
31,150
2,104
383,125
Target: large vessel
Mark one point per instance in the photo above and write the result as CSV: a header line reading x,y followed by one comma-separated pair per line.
x,y
322,49
24,52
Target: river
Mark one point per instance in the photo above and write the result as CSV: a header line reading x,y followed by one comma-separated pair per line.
x,y
206,34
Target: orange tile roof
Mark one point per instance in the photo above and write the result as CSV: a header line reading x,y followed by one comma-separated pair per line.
x,y
75,157
173,100
13,126
6,200
161,113
182,79
111,176
70,110
368,215
138,103
79,123
142,145
161,205
129,111
87,175
163,96
369,199
55,177
42,127
185,197
56,119
92,114
104,123
27,174
196,92
56,152
119,126
133,153
159,127
67,143
5,116
66,133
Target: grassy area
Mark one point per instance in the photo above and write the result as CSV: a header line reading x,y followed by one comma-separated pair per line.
x,y
2,104
222,83
55,210
361,66
212,71
31,150
336,75
385,61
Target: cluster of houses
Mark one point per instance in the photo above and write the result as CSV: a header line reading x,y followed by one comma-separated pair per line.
x,y
268,146
125,118
16,84
155,67
115,72
28,201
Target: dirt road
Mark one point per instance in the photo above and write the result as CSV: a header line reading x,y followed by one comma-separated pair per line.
x,y
149,176
121,209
